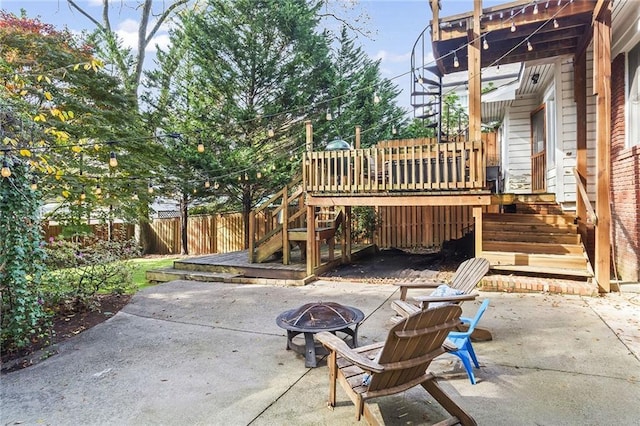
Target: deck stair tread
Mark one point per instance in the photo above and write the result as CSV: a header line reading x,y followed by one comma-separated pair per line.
x,y
534,243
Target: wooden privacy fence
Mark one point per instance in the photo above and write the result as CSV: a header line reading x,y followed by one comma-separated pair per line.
x,y
422,226
205,234
101,231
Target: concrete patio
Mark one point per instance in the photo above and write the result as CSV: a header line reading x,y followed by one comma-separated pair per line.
x,y
194,353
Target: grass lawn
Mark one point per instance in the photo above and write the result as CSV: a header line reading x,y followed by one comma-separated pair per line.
x,y
143,264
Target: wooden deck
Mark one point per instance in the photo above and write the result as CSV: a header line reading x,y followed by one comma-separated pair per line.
x,y
235,267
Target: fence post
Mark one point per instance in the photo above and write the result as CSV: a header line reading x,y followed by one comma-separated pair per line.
x,y
252,237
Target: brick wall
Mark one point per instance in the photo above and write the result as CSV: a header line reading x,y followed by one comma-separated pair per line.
x,y
625,183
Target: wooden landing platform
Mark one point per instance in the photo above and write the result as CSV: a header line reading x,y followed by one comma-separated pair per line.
x,y
234,267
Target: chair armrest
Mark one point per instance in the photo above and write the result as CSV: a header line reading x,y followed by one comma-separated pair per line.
x,y
456,298
404,286
420,284
403,308
334,343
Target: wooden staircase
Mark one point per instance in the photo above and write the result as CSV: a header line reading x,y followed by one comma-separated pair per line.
x,y
535,243
289,218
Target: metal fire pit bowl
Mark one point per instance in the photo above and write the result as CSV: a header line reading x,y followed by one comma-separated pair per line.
x,y
313,318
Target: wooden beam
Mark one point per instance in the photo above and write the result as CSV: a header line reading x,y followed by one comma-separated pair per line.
x,y
407,200
580,97
475,90
602,87
435,21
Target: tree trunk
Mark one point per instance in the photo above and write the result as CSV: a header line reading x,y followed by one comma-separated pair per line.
x,y
184,216
246,209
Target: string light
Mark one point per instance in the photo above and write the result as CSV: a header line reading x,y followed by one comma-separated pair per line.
x,y
216,185
200,147
529,46
394,130
555,23
485,43
535,9
150,188
376,98
113,161
83,194
420,79
34,184
207,184
513,27
328,115
6,171
456,62
98,190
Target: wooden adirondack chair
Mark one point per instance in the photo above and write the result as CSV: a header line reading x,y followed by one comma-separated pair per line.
x,y
464,280
395,365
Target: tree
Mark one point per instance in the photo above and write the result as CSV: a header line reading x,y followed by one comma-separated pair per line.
x,y
253,67
129,64
360,96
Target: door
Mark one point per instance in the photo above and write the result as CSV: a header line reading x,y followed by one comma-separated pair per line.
x,y
538,151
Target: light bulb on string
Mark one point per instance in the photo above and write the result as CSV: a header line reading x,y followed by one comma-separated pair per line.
x,y
200,147
555,23
34,184
150,188
134,196
216,185
485,43
6,171
328,116
420,79
113,161
207,184
394,130
529,46
513,27
456,62
83,194
98,190
535,9
270,131
259,175
376,98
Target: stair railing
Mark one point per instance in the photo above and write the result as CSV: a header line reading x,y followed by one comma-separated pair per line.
x,y
582,192
277,219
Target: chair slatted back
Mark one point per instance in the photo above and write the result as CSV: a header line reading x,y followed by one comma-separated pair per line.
x,y
412,344
469,274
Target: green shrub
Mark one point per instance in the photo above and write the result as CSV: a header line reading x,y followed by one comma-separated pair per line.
x,y
81,269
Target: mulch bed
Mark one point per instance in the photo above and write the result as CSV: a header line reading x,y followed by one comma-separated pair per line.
x,y
66,324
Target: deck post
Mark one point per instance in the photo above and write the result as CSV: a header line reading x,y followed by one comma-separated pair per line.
x,y
252,235
580,96
477,216
311,240
475,92
346,235
286,249
602,89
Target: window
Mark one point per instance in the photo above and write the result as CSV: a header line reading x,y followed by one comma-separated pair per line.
x,y
633,96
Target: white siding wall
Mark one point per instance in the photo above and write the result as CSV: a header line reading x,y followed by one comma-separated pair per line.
x,y
517,135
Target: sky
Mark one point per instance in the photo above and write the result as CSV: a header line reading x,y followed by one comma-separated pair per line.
x,y
393,26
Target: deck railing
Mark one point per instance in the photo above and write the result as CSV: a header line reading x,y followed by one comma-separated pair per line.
x,y
429,167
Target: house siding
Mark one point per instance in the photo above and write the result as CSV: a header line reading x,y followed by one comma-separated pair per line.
x,y
518,150
625,183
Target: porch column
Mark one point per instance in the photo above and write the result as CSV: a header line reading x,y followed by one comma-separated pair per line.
x,y
580,97
477,216
475,89
602,90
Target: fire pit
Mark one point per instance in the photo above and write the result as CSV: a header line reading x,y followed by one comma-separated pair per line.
x,y
316,317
